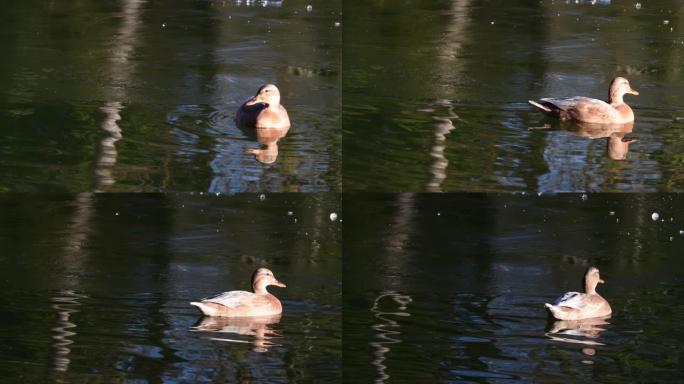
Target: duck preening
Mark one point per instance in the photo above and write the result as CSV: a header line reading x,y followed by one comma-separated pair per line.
x,y
263,110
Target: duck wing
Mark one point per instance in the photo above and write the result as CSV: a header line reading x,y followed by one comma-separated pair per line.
x,y
582,108
230,299
575,300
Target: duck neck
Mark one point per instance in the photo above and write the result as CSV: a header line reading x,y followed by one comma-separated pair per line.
x,y
259,289
590,287
615,98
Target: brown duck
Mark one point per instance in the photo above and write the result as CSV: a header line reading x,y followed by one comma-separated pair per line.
x,y
588,110
243,303
263,110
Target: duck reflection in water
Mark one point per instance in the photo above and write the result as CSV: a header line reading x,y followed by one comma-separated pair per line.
x,y
258,328
585,332
268,138
617,144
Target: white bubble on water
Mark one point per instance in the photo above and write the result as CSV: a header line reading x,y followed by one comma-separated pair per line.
x,y
655,216
333,216
585,197
637,6
612,213
309,8
262,197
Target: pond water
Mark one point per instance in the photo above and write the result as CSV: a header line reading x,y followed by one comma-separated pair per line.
x,y
451,288
96,288
135,95
435,95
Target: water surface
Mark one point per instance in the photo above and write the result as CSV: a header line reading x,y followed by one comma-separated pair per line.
x,y
451,288
435,94
135,95
96,288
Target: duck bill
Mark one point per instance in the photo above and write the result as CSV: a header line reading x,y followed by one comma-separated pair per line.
x,y
633,92
601,281
279,284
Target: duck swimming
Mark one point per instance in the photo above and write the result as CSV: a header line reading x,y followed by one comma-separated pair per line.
x,y
588,110
577,306
263,110
243,303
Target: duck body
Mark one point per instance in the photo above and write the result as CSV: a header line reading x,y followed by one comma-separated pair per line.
x,y
577,306
243,303
263,110
588,110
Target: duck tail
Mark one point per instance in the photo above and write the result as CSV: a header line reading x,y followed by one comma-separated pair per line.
x,y
207,310
542,107
552,308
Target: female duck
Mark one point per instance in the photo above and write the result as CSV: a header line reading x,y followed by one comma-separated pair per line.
x,y
243,303
588,110
577,306
263,110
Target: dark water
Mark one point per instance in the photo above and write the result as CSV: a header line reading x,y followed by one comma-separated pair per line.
x,y
95,288
136,95
450,288
435,94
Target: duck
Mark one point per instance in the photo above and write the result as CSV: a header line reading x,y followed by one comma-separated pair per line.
x,y
263,110
245,304
588,110
577,306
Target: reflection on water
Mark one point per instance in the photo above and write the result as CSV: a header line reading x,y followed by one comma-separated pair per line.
x,y
263,3
268,138
617,145
386,328
94,287
259,328
66,303
106,159
478,270
577,331
486,61
439,163
160,74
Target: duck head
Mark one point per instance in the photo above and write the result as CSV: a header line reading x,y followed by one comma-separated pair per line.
x,y
262,278
591,280
618,88
268,94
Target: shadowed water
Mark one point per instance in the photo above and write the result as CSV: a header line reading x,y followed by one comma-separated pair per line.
x,y
435,95
135,95
452,288
96,288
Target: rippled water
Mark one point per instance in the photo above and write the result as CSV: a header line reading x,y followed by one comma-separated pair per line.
x,y
435,95
452,288
134,95
96,288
